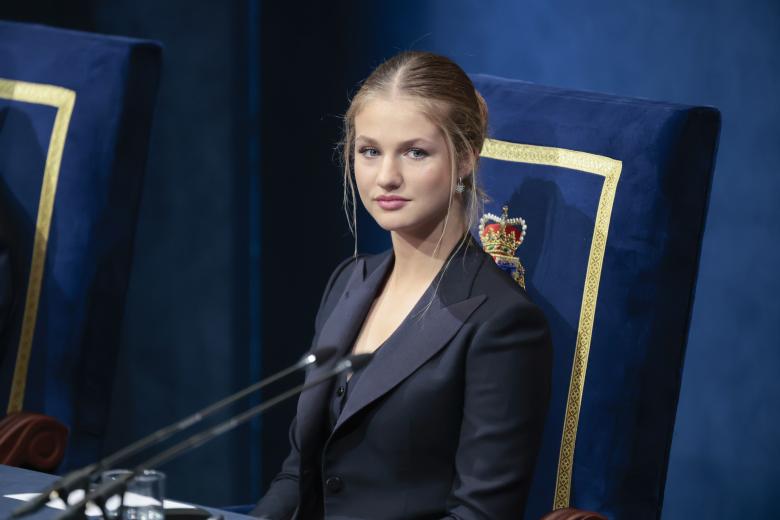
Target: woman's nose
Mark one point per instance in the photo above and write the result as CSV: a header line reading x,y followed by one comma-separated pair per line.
x,y
389,174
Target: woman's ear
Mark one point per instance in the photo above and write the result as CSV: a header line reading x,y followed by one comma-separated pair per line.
x,y
467,167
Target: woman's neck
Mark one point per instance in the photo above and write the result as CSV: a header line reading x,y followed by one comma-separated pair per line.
x,y
418,259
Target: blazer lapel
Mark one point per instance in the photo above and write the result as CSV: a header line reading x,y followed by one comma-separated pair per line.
x,y
410,346
406,350
417,340
339,330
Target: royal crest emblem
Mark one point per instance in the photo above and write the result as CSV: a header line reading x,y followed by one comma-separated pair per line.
x,y
501,238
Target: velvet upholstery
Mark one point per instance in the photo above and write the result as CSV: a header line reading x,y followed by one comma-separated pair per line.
x,y
6,289
611,256
89,97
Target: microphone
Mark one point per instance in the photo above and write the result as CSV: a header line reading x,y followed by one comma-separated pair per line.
x,y
79,479
117,487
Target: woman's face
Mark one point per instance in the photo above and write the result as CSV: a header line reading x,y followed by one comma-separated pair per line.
x,y
402,167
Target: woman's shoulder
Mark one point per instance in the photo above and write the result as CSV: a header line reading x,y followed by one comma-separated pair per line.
x,y
508,316
344,268
343,271
339,278
341,274
498,285
507,304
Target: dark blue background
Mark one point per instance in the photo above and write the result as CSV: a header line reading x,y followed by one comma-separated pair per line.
x,y
242,186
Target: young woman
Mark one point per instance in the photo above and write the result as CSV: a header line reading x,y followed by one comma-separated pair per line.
x,y
446,419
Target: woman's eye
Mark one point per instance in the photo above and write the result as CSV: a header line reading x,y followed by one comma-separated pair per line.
x,y
368,151
417,153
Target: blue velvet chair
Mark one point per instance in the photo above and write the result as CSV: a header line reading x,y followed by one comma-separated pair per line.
x,y
75,117
614,192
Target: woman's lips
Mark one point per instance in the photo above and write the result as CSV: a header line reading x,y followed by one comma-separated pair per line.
x,y
391,203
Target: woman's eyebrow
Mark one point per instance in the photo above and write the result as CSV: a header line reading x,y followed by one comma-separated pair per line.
x,y
366,139
416,140
402,145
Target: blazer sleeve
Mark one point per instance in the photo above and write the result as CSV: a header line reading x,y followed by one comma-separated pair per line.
x,y
281,500
507,392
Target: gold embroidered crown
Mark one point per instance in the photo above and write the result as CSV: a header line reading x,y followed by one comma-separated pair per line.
x,y
501,240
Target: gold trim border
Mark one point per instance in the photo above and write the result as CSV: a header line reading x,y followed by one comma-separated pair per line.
x,y
610,169
63,100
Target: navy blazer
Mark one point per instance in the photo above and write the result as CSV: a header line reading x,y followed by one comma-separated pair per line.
x,y
444,422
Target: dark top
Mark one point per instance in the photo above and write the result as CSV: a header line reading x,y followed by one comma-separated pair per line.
x,y
445,422
341,391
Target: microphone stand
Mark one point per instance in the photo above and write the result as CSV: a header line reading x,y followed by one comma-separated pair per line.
x,y
117,487
79,479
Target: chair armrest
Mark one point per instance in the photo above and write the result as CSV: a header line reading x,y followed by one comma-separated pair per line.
x,y
32,440
571,513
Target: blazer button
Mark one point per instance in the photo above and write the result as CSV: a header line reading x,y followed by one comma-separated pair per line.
x,y
334,484
340,391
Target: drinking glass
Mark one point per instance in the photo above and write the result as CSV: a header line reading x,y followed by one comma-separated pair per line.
x,y
143,499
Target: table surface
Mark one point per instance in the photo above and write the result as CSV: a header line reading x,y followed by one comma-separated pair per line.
x,y
16,480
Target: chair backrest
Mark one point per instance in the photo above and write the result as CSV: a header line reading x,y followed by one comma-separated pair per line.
x,y
75,116
614,192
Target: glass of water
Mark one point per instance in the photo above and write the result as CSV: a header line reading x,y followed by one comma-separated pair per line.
x,y
143,499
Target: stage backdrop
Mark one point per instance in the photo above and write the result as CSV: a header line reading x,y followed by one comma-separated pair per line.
x,y
242,148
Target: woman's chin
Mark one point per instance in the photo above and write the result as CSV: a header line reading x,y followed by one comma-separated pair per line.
x,y
392,221
392,226
412,230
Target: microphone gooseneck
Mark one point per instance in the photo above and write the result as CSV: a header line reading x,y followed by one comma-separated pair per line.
x,y
80,478
106,490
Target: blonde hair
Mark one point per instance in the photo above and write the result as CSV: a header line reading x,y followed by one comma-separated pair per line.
x,y
447,97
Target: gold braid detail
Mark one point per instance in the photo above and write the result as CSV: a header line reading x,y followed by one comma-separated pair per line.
x,y
610,170
63,100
